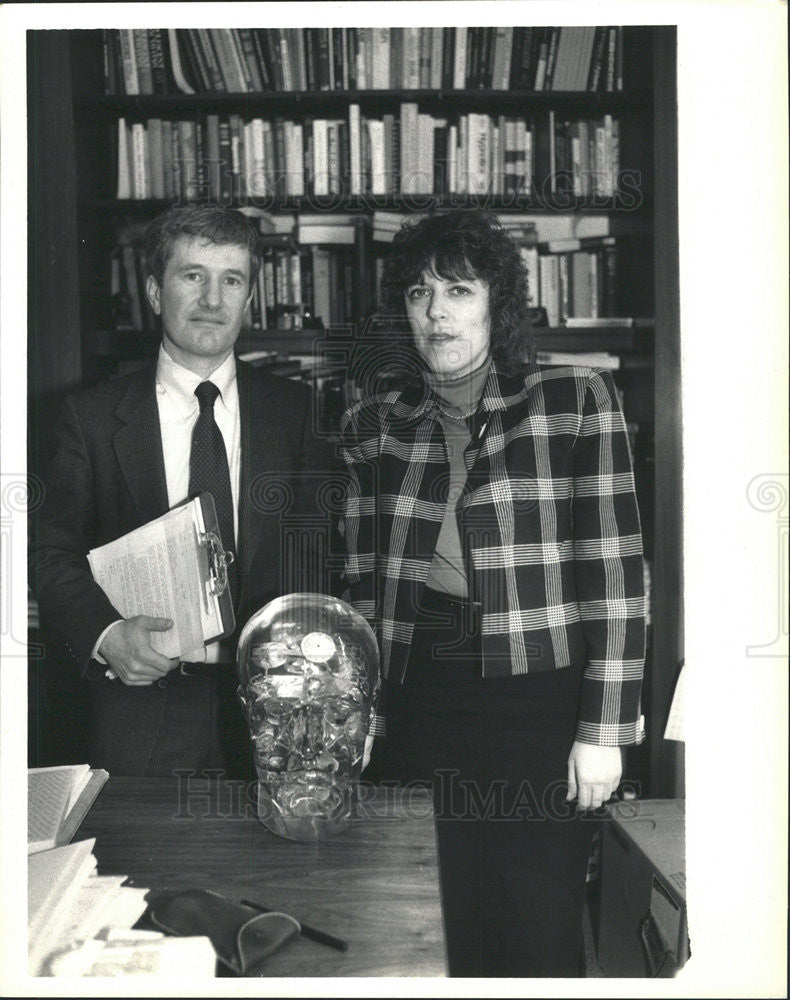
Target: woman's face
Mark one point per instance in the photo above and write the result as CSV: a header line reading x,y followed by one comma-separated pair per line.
x,y
450,322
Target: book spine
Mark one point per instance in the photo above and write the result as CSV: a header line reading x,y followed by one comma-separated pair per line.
x,y
410,63
520,74
139,164
352,53
300,75
157,59
221,61
124,186
448,58
131,80
228,59
143,58
437,57
551,57
368,50
156,161
322,67
270,45
355,150
507,60
320,157
485,78
459,64
333,157
108,63
167,160
463,153
250,60
338,62
176,66
472,58
425,162
611,59
213,163
408,148
285,59
381,58
540,67
425,58
378,182
345,78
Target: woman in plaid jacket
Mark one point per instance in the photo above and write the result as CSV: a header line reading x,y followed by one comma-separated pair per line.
x,y
493,543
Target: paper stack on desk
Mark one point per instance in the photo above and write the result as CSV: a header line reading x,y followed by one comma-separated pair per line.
x,y
80,923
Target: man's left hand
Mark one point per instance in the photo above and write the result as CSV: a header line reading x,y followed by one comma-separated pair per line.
x,y
594,773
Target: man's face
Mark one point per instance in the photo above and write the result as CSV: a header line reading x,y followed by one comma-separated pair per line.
x,y
202,299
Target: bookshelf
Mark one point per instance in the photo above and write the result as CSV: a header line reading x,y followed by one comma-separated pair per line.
x,y
361,97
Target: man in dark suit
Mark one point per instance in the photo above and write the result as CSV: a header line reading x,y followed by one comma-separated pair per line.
x,y
125,455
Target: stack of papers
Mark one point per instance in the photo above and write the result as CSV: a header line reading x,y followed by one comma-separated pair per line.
x,y
80,923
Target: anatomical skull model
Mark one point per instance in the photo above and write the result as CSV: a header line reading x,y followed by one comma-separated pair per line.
x,y
308,667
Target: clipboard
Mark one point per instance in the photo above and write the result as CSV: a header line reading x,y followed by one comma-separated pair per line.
x,y
172,567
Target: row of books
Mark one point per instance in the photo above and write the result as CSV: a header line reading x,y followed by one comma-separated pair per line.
x,y
232,159
583,279
255,60
579,282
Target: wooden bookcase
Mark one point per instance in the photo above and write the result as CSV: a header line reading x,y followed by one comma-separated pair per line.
x,y
83,151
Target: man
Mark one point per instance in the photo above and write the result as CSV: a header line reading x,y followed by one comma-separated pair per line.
x,y
125,454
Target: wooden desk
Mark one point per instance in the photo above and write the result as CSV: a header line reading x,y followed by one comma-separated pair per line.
x,y
375,885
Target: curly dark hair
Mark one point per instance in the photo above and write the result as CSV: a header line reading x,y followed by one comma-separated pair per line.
x,y
460,245
214,223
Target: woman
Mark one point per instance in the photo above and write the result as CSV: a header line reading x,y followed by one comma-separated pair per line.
x,y
494,545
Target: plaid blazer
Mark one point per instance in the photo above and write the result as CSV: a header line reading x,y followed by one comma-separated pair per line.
x,y
548,521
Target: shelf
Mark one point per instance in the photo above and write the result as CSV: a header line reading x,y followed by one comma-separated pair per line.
x,y
626,202
616,340
136,343
573,102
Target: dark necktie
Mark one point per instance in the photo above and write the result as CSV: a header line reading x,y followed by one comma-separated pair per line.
x,y
209,471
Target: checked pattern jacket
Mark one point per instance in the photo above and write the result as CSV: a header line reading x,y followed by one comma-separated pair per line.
x,y
548,521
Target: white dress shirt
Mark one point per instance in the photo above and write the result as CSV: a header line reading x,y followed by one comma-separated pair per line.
x,y
178,411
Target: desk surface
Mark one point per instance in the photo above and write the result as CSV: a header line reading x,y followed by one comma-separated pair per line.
x,y
374,885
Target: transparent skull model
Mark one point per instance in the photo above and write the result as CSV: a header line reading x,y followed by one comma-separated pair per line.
x,y
308,665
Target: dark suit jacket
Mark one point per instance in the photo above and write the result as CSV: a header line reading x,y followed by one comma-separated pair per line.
x,y
107,477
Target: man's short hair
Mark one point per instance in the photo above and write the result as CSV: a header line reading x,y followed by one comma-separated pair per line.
x,y
216,224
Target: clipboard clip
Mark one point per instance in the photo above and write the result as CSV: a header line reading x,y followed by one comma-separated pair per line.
x,y
218,562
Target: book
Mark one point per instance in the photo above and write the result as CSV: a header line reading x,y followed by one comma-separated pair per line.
x,y
54,878
179,76
587,359
143,58
230,63
58,799
172,567
131,80
459,62
326,234
596,322
376,145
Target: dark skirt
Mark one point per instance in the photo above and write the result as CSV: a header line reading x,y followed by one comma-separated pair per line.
x,y
512,852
